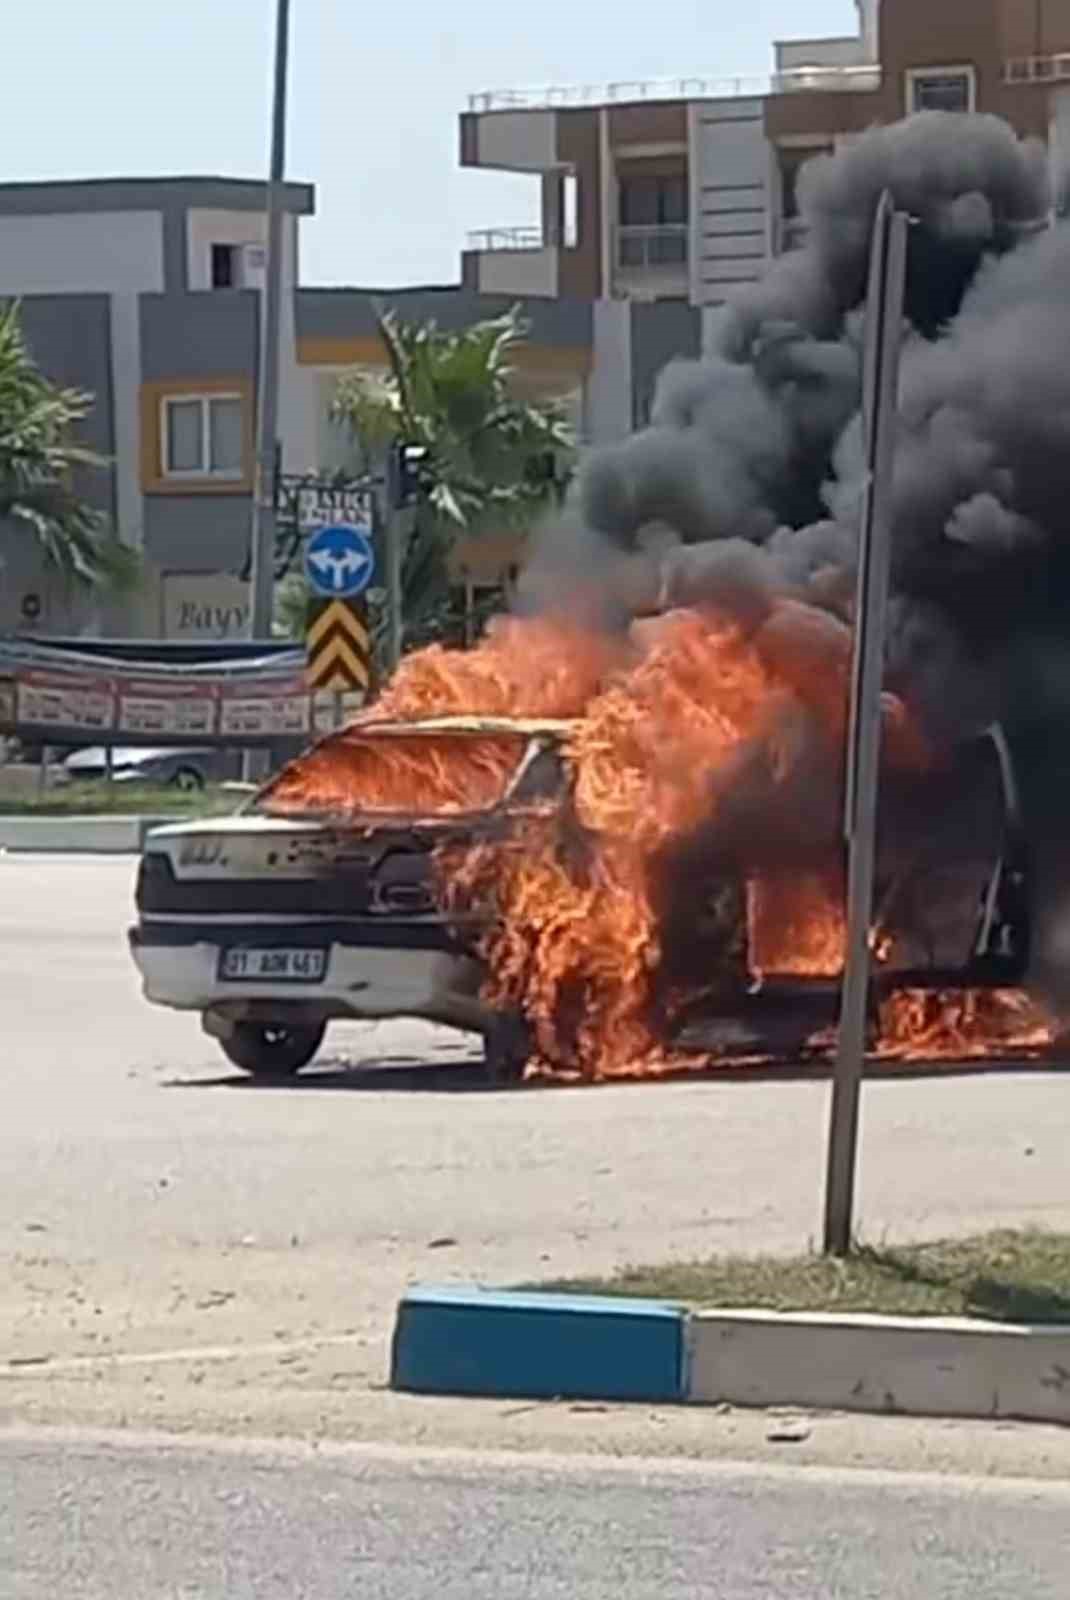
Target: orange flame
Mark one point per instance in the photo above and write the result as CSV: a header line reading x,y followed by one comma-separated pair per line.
x,y
797,926
352,775
961,1025
661,715
541,667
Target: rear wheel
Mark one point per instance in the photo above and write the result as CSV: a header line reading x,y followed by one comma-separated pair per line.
x,y
507,1048
272,1049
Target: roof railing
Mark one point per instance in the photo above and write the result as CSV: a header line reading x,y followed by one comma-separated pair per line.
x,y
858,78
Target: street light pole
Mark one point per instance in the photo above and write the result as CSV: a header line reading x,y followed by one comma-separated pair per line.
x,y
263,529
884,318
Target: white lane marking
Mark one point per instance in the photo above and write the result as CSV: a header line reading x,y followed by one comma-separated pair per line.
x,y
30,1366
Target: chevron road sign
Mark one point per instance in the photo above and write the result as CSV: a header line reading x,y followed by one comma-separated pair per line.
x,y
338,645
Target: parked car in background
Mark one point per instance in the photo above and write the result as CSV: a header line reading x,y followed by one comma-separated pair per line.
x,y
188,768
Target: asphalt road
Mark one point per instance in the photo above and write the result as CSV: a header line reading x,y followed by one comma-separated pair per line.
x,y
156,1203
92,1520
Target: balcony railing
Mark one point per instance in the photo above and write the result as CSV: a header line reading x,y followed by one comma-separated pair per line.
x,y
532,238
1038,69
859,79
652,249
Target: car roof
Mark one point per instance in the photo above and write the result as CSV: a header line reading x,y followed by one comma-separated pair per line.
x,y
526,727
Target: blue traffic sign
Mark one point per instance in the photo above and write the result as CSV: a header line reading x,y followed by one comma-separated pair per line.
x,y
340,560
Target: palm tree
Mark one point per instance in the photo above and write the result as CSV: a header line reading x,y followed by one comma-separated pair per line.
x,y
40,463
493,460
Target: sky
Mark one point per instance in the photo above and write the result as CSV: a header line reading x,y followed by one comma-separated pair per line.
x,y
136,88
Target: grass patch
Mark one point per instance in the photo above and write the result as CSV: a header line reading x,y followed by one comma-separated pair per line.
x,y
122,800
1000,1277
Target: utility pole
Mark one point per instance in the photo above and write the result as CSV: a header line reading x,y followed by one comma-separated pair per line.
x,y
263,529
884,317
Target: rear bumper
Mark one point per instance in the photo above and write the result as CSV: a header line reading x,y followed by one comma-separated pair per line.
x,y
179,967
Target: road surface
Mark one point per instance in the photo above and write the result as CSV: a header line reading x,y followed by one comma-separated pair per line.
x,y
180,1246
90,1519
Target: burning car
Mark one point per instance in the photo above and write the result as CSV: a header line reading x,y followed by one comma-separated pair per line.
x,y
382,874
330,901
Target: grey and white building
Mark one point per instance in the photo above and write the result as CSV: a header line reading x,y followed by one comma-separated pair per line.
x,y
146,293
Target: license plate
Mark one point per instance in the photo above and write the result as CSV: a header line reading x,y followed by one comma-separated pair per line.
x,y
241,965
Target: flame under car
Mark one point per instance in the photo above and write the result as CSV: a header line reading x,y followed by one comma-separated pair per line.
x,y
335,896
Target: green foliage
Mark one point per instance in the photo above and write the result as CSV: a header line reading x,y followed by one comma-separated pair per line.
x,y
40,467
495,461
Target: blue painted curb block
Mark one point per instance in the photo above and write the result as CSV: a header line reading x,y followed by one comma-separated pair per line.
x,y
467,1340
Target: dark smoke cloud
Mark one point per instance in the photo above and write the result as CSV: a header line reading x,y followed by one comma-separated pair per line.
x,y
754,462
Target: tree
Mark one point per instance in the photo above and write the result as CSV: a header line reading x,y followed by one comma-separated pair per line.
x,y
494,461
40,467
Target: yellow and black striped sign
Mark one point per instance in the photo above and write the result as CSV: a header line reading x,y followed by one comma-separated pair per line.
x,y
338,645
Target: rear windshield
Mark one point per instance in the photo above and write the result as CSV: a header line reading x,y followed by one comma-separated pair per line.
x,y
354,774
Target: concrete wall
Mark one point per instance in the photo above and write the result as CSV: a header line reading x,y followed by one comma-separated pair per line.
x,y
100,252
69,337
660,334
517,141
118,253
200,335
209,534
350,313
608,402
518,272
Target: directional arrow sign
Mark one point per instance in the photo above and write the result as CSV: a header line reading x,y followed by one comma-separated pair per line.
x,y
338,646
340,560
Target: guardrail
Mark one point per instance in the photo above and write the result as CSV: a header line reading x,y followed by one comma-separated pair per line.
x,y
850,79
1037,69
508,239
649,248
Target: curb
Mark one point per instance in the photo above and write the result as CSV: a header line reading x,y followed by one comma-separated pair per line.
x,y
474,1341
77,835
471,1341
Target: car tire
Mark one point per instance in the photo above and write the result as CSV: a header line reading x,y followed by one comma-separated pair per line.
x,y
272,1050
190,780
507,1049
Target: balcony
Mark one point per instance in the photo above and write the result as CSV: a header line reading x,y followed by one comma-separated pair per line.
x,y
651,263
848,78
513,261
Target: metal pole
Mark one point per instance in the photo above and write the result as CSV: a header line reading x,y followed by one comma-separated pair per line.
x,y
263,531
390,528
881,387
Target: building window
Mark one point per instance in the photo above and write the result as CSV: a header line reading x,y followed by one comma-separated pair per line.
x,y
570,206
652,215
941,89
792,162
224,266
653,202
203,436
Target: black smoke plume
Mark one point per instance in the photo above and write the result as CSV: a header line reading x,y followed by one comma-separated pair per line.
x,y
747,484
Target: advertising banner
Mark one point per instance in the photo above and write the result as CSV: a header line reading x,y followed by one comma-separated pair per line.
x,y
79,702
265,707
166,708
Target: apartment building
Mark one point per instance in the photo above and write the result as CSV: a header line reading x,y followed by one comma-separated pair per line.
x,y
685,189
146,294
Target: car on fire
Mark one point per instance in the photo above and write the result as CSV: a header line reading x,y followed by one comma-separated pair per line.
x,y
326,901
270,925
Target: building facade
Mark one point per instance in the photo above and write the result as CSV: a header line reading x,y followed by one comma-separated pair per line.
x,y
683,190
147,295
